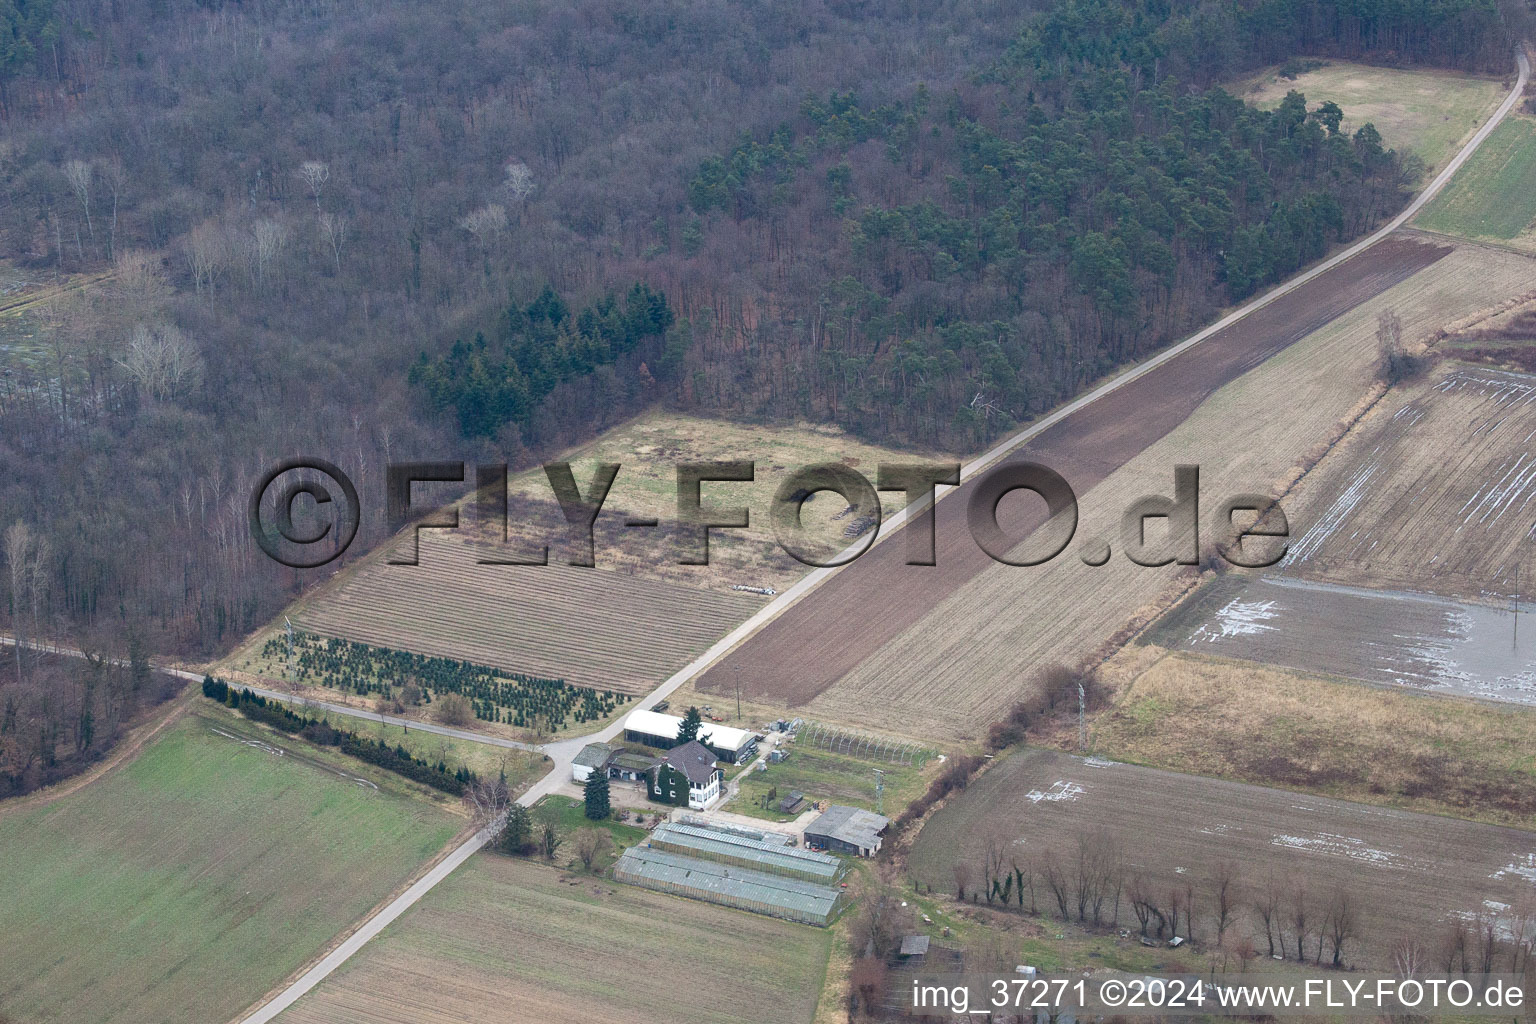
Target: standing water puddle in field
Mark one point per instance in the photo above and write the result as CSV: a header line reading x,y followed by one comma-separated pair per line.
x,y
1379,636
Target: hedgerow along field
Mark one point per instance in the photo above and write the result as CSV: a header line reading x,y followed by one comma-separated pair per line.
x,y
1494,193
495,695
183,885
1427,112
507,941
1407,876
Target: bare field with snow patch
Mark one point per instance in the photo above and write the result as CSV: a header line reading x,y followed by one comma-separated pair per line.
x,y
1409,875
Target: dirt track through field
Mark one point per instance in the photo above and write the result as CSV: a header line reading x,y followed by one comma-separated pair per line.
x,y
852,615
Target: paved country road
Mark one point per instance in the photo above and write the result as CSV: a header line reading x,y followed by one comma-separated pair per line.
x,y
562,752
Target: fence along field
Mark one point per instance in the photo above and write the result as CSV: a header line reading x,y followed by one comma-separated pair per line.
x,y
495,695
1161,842
506,941
183,885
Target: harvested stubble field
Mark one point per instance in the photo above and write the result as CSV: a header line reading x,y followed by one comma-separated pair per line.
x,y
938,652
183,885
626,624
507,941
1434,492
1389,637
590,627
1428,113
1271,726
1494,194
1409,875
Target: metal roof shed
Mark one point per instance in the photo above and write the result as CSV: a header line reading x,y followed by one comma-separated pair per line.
x,y
774,895
725,848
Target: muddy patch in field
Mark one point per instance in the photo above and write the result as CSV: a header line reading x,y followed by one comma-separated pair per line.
x,y
1377,636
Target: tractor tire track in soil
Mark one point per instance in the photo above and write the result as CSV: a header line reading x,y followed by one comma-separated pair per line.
x,y
856,611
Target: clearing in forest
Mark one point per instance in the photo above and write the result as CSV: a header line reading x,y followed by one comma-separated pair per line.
x,y
505,940
1428,113
185,884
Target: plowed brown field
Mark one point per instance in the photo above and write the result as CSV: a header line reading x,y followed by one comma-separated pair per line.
x,y
1409,875
867,606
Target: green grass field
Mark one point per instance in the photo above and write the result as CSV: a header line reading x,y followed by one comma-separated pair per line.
x,y
823,775
189,882
1494,194
507,941
568,815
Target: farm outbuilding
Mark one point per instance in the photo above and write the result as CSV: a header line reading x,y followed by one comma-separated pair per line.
x,y
629,766
791,899
727,848
592,757
848,830
734,746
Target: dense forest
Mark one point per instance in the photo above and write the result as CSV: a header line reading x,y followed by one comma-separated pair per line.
x,y
925,221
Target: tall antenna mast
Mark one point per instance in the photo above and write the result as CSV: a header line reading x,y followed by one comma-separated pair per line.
x,y
879,791
289,623
1516,640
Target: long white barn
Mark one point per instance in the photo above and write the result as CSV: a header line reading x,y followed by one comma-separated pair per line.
x,y
654,729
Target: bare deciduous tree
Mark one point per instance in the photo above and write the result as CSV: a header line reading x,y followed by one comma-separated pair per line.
x,y
139,287
962,873
881,922
1341,923
207,252
1453,945
453,709
268,237
519,181
79,174
1266,904
1061,887
1145,907
314,174
488,800
115,174
1301,917
486,224
27,554
1225,893
590,844
333,230
163,362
